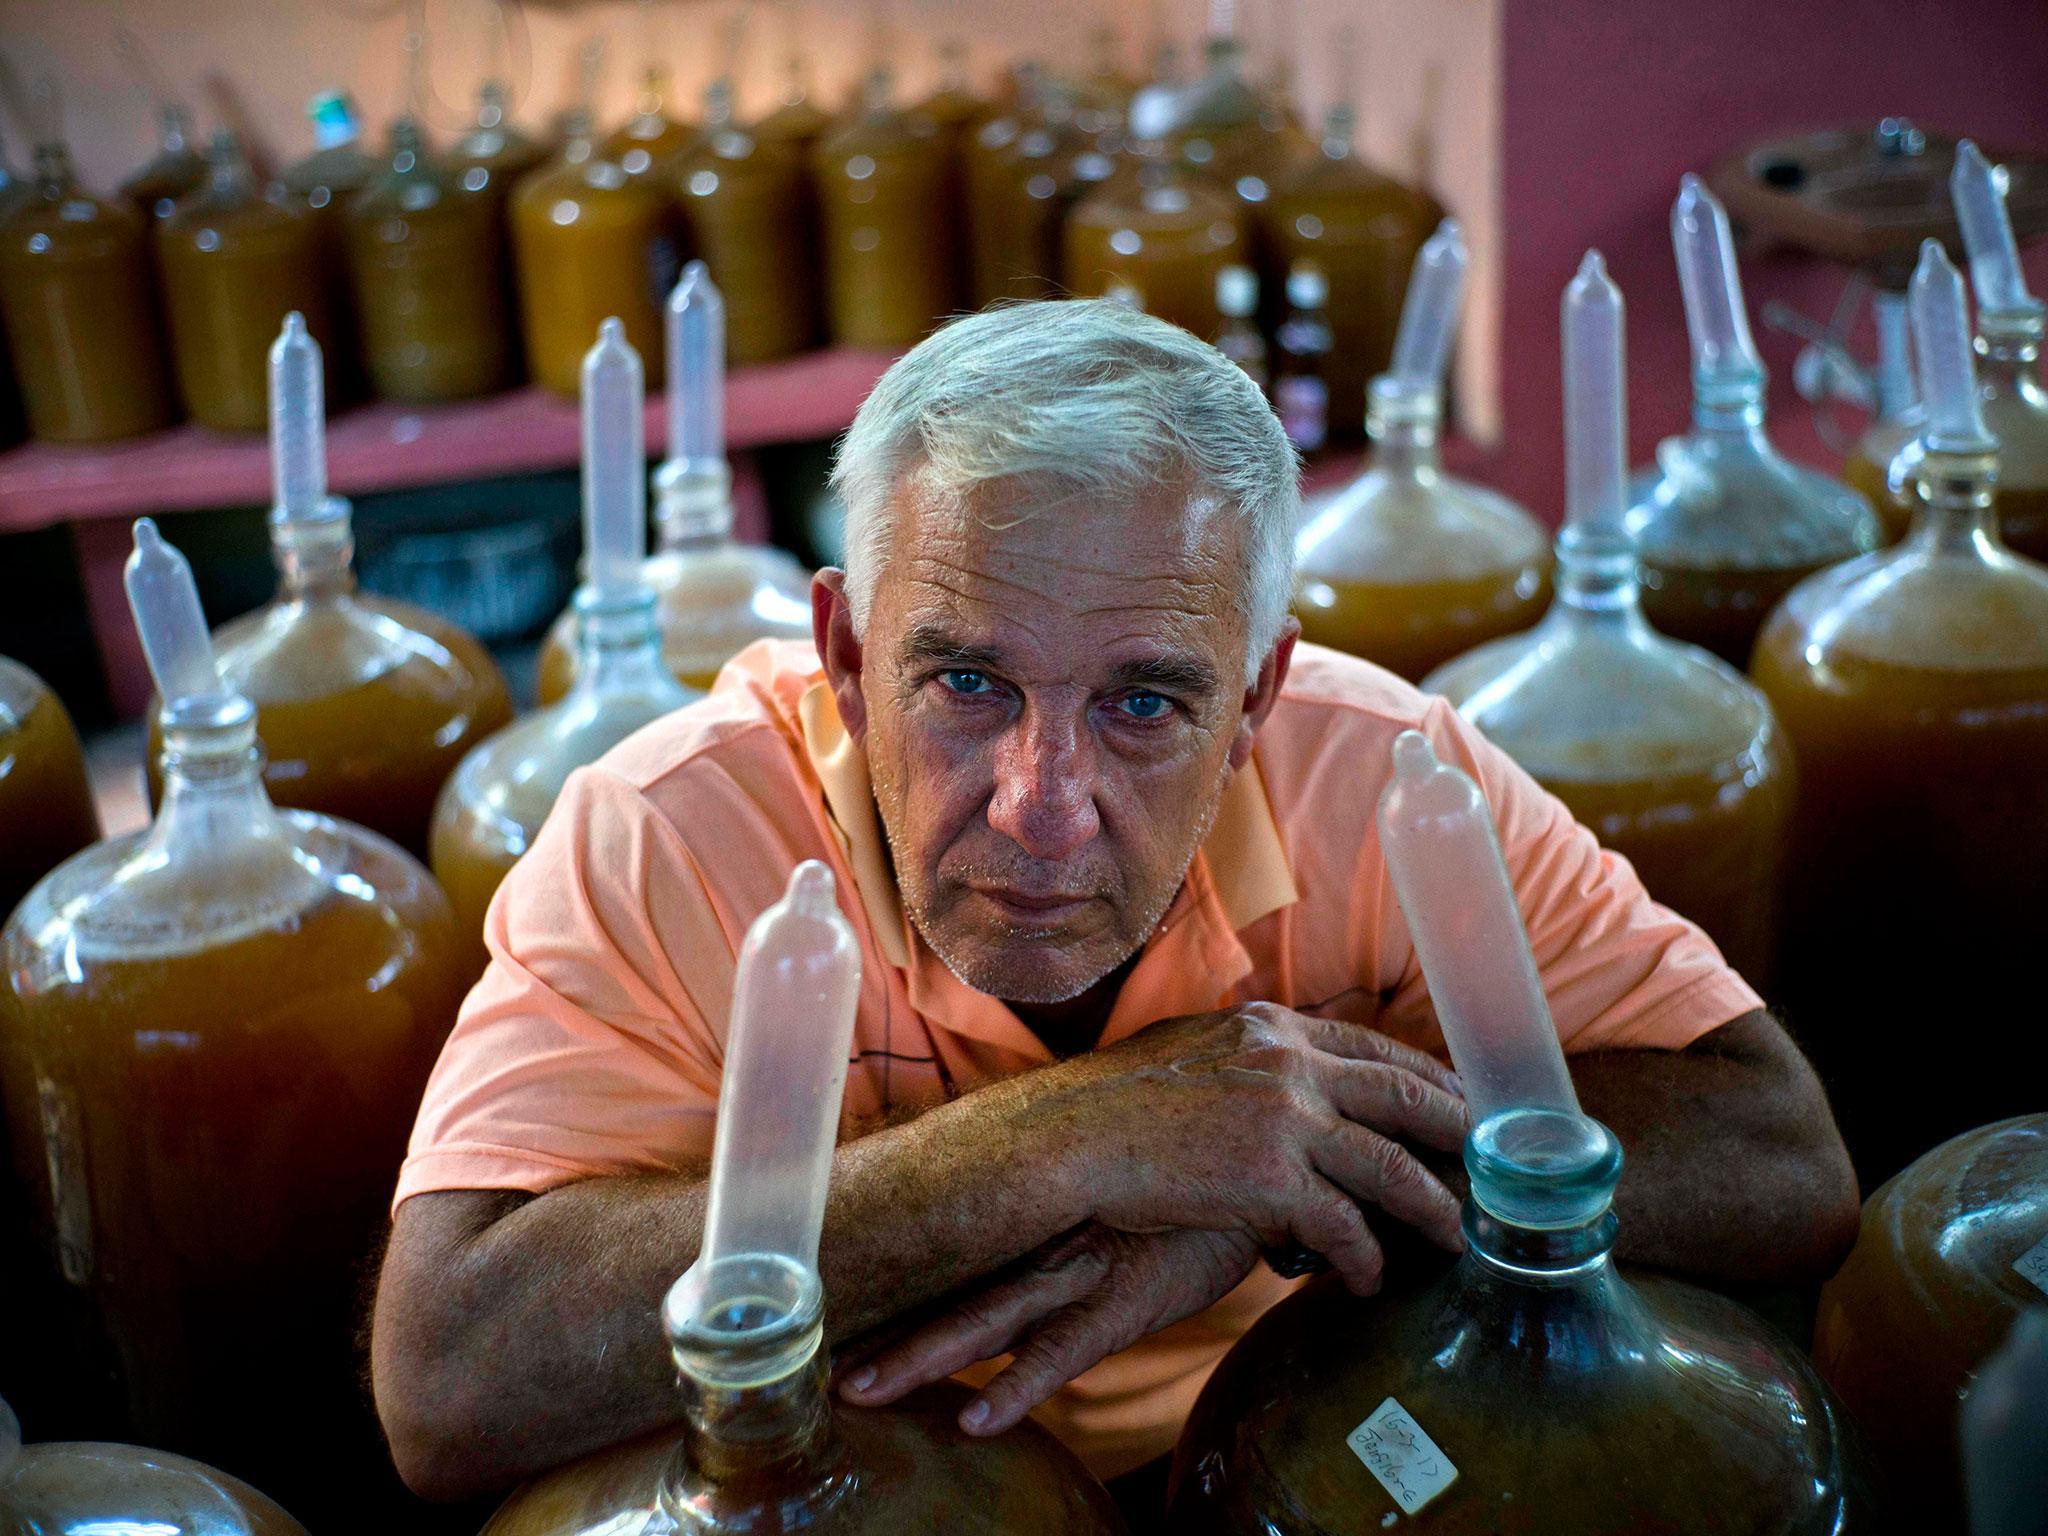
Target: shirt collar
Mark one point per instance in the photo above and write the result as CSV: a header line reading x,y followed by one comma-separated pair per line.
x,y
1242,865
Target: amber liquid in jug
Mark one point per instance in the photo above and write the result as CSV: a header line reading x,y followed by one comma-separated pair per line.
x,y
1914,686
1155,229
235,263
321,185
889,224
78,302
643,145
46,809
591,242
746,206
1025,171
216,1035
1951,1252
365,704
427,261
175,170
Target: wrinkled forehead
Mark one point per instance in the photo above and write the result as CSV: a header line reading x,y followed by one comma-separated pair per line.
x,y
1081,568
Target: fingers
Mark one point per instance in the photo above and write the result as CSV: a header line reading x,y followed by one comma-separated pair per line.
x,y
1330,1223
1071,1341
1376,1171
1355,1042
1396,1102
986,1323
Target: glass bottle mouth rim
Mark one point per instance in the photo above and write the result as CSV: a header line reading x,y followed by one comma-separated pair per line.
x,y
1545,1169
757,1353
206,712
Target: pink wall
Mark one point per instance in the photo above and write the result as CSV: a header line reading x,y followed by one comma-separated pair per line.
x,y
1608,104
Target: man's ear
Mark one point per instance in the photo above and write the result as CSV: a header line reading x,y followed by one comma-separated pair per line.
x,y
839,647
1264,691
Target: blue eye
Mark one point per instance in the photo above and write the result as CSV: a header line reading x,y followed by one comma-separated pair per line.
x,y
964,682
1145,706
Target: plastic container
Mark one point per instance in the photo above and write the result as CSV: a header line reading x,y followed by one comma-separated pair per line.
x,y
83,1486
714,595
218,1031
175,170
1914,686
749,213
1408,566
591,242
1726,525
235,263
1533,1387
1668,753
365,705
1362,230
889,223
46,809
78,305
428,262
763,1447
492,807
1155,228
1950,1254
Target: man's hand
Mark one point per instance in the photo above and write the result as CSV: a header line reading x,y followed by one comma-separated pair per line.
x,y
1263,1123
1079,1299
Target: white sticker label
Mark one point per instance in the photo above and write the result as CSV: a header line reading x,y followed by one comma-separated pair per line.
x,y
2033,1265
1408,1464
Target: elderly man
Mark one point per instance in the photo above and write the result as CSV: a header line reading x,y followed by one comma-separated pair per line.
x,y
1137,1002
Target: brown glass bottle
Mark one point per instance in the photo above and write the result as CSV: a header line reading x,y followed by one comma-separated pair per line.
x,y
746,209
1913,684
173,171
1950,1253
643,145
1025,171
888,226
218,1032
1362,230
235,263
365,704
430,297
46,809
591,242
321,184
1153,228
78,305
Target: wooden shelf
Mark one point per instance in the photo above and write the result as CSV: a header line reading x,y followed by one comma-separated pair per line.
x,y
385,447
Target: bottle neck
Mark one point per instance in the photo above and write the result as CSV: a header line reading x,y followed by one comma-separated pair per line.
x,y
212,767
175,129
693,505
54,174
314,555
1953,495
1596,575
618,644
1404,425
759,1457
2008,349
1732,413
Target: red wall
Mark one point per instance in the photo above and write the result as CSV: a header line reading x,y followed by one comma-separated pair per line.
x,y
1608,103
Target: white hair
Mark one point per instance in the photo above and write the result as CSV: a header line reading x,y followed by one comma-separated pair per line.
x,y
1071,398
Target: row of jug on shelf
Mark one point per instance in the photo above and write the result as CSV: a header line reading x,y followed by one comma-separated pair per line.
x,y
301,928
434,271
1909,684
1533,1326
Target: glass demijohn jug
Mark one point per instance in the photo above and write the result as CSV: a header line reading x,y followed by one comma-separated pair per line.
x,y
761,1446
716,595
1727,525
366,704
216,1032
1408,566
1914,686
1668,753
1533,1388
493,806
46,810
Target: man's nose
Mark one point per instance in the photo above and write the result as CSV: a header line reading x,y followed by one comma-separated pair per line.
x,y
1044,799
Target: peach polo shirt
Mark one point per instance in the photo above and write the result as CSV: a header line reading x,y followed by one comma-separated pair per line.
x,y
594,1042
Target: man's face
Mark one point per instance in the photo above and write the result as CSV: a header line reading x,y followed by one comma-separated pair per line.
x,y
1050,702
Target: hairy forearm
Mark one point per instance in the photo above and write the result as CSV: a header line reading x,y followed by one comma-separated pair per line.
x,y
1735,1170
526,1333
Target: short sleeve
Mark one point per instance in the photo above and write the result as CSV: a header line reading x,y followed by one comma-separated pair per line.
x,y
1619,969
583,1050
